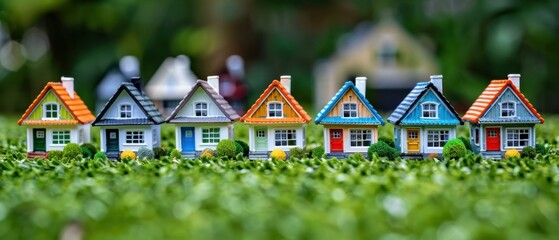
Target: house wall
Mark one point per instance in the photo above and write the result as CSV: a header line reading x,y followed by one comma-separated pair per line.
x,y
124,98
200,96
423,138
494,112
350,96
74,136
346,137
152,137
503,128
415,116
37,113
225,132
299,138
275,95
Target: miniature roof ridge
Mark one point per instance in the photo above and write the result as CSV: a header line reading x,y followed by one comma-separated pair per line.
x,y
490,95
304,116
75,106
337,97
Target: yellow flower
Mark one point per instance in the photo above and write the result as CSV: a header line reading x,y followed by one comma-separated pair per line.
x,y
512,153
278,154
127,154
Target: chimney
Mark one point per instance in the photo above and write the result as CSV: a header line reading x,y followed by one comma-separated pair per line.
x,y
68,84
214,82
515,79
361,84
286,82
137,81
437,80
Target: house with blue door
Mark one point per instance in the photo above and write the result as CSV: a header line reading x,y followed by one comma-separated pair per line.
x,y
502,118
202,118
350,121
129,120
424,121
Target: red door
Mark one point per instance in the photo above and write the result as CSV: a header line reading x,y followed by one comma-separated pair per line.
x,y
493,139
336,140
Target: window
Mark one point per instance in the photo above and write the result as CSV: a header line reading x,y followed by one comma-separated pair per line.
x,y
275,109
135,137
429,110
51,111
125,111
518,137
286,138
60,137
476,136
349,110
201,109
437,138
260,133
360,138
336,135
508,109
210,135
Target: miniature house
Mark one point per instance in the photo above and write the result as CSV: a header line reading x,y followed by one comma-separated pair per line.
x,y
502,118
275,120
202,118
129,121
170,83
127,67
424,121
350,121
55,118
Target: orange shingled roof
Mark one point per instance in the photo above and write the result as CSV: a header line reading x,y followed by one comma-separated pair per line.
x,y
488,97
303,116
75,106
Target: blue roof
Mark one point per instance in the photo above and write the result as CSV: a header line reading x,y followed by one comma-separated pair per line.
x,y
415,95
321,117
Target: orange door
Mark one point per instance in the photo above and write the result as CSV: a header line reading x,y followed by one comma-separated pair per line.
x,y
336,140
493,139
413,140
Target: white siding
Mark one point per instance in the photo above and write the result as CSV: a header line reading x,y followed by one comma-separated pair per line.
x,y
299,136
123,98
200,96
149,140
224,133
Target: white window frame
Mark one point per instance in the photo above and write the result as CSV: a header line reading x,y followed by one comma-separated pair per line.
x,y
66,137
275,111
360,137
141,137
202,110
507,110
349,111
57,111
511,132
128,113
211,135
429,111
285,137
435,137
476,136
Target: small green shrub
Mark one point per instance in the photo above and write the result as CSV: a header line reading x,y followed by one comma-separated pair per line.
x,y
245,146
145,153
86,153
100,155
55,154
454,149
541,149
387,140
239,148
159,152
382,149
466,143
296,152
72,151
226,148
318,152
175,154
528,152
92,149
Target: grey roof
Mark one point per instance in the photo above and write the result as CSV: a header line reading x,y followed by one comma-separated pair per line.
x,y
199,120
223,105
143,101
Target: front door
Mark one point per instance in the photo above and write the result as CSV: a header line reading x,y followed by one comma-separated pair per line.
x,y
336,140
493,139
39,140
188,144
260,139
413,140
112,140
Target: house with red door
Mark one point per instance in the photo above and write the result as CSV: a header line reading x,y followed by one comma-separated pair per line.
x,y
350,121
502,118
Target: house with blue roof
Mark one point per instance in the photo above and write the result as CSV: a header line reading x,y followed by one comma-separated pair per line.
x,y
424,121
350,121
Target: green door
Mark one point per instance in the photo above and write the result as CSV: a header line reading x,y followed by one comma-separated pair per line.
x,y
112,140
261,139
39,140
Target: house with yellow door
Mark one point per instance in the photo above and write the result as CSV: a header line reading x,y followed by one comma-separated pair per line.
x,y
424,121
276,120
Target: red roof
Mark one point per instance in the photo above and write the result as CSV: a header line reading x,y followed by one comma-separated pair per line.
x,y
488,97
75,106
302,118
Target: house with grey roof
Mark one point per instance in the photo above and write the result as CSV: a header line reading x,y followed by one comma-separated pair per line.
x,y
129,120
202,118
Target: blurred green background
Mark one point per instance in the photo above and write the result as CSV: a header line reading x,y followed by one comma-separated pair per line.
x,y
472,41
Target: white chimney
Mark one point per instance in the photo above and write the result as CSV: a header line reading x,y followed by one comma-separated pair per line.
x,y
437,80
68,83
361,84
515,79
214,82
286,82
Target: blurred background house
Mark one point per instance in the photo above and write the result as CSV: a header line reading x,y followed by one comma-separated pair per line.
x,y
127,67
